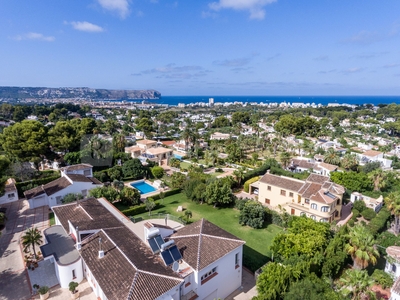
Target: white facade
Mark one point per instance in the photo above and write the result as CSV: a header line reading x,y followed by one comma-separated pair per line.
x,y
10,192
227,280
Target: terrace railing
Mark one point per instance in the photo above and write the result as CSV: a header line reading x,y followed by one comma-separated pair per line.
x,y
158,216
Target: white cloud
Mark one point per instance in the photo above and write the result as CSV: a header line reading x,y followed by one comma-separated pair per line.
x,y
121,7
364,38
34,36
254,7
86,26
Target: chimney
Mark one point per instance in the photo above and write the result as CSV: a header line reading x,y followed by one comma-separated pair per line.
x,y
101,252
268,171
78,239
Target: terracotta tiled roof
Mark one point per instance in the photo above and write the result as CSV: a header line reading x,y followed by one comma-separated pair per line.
x,y
283,182
82,178
371,153
328,166
396,287
129,269
49,188
394,251
311,189
302,163
146,142
168,143
158,150
203,243
317,178
77,167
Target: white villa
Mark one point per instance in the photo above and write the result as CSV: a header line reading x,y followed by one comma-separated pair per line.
x,y
147,149
199,261
375,204
74,179
10,192
393,268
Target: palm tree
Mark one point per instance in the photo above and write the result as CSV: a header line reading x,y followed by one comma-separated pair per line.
x,y
378,177
285,158
214,157
357,281
239,175
188,214
361,247
349,161
118,185
331,157
393,203
32,238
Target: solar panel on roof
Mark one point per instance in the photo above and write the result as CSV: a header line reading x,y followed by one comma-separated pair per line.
x,y
153,245
159,240
175,253
167,257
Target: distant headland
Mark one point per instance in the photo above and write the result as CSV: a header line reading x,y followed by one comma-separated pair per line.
x,y
14,93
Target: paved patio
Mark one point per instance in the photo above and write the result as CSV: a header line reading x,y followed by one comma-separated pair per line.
x,y
57,293
248,289
45,274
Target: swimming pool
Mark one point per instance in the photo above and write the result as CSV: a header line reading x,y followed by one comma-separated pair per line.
x,y
143,187
177,156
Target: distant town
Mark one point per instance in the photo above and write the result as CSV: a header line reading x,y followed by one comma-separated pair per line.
x,y
143,192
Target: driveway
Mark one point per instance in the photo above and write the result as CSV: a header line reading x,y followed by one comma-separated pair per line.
x,y
14,279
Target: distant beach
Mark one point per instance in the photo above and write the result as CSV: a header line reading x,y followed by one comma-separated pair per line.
x,y
324,100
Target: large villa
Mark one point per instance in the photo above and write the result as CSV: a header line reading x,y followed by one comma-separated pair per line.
x,y
93,240
316,197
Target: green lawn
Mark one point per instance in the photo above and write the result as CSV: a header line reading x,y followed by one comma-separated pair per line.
x,y
258,241
52,219
185,165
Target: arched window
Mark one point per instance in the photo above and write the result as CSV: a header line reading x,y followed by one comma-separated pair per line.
x,y
314,206
325,208
302,214
312,217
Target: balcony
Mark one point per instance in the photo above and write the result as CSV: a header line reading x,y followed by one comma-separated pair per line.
x,y
190,296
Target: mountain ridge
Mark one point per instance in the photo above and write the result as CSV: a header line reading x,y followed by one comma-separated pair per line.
x,y
13,92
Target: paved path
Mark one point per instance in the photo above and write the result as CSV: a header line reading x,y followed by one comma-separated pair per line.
x,y
248,289
14,280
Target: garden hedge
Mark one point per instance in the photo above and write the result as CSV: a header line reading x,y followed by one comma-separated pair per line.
x,y
246,185
27,185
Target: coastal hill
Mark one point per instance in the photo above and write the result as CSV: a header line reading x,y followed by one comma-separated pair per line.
x,y
8,92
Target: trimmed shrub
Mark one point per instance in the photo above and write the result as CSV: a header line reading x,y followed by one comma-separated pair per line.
x,y
356,213
27,185
351,222
239,203
359,205
136,210
382,278
248,182
167,193
378,224
368,214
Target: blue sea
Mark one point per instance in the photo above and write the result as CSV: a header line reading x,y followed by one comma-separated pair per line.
x,y
324,100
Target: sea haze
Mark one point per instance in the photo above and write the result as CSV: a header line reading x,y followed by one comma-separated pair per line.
x,y
324,100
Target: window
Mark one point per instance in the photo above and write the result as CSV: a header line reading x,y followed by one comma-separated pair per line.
x,y
11,195
393,268
325,208
338,202
87,172
283,193
267,201
307,201
58,199
84,193
302,214
290,194
313,217
210,274
314,206
73,274
236,260
269,188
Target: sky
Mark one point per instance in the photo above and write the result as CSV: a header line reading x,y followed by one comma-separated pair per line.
x,y
204,47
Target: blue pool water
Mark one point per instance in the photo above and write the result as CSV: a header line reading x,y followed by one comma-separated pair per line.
x,y
177,156
143,187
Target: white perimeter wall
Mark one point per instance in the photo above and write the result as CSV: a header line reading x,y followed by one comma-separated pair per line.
x,y
76,187
228,279
6,199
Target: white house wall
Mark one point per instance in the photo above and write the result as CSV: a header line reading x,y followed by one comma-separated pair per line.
x,y
93,283
9,197
65,273
229,277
